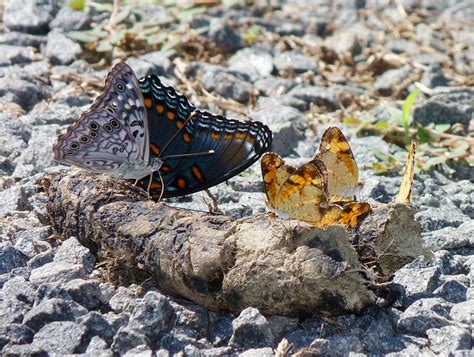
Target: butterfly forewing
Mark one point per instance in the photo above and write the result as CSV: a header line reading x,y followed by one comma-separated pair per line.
x,y
343,174
275,173
123,98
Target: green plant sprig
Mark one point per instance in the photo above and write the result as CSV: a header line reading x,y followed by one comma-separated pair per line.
x,y
438,144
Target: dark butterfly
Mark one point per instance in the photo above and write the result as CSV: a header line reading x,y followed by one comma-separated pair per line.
x,y
144,130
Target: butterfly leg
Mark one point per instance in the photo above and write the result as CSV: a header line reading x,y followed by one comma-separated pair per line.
x,y
136,182
162,186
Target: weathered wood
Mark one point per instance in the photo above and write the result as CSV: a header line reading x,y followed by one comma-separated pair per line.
x,y
278,266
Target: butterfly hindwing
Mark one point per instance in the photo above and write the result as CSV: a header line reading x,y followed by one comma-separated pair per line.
x,y
177,128
97,141
275,173
343,174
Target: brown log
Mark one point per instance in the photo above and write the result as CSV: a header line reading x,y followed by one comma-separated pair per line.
x,y
278,266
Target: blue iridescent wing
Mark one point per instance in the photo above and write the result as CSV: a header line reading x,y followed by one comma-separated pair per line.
x,y
177,128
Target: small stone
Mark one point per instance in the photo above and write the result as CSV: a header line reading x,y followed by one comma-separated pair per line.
x,y
68,19
191,319
127,339
251,330
258,352
423,315
52,310
24,93
337,345
40,259
177,342
14,334
449,338
434,77
33,241
10,257
97,325
38,156
321,96
225,37
281,325
452,106
71,251
24,350
228,86
84,292
22,39
274,86
344,42
252,62
389,80
45,113
20,289
51,290
462,312
152,315
295,62
450,237
98,346
123,300
433,219
141,350
61,337
60,49
160,62
10,55
140,67
417,282
220,329
452,291
32,16
56,272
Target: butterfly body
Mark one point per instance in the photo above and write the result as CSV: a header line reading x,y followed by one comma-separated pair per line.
x,y
146,131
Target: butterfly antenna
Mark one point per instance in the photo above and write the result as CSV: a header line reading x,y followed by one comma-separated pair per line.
x,y
193,154
193,114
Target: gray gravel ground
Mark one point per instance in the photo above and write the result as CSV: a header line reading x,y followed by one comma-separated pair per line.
x,y
52,299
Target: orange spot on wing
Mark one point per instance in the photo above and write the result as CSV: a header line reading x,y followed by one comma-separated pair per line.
x,y
160,108
227,136
197,173
240,136
215,135
187,137
180,124
155,186
181,183
165,168
171,115
155,149
148,102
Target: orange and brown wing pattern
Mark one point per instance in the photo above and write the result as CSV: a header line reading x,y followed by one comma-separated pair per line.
x,y
304,194
404,196
275,173
343,174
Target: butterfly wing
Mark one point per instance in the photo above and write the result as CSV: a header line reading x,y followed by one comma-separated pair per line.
x,y
176,128
122,97
275,173
304,194
98,142
404,196
343,174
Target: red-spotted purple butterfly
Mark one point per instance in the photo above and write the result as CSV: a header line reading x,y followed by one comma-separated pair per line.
x,y
144,130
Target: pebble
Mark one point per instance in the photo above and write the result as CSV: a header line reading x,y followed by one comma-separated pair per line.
x,y
60,49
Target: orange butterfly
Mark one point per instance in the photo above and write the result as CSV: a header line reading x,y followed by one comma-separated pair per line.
x,y
321,191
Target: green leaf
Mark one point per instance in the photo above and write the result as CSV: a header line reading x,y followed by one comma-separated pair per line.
x,y
104,46
351,121
78,5
122,15
379,155
442,127
396,115
406,108
433,161
156,39
423,134
83,36
381,125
